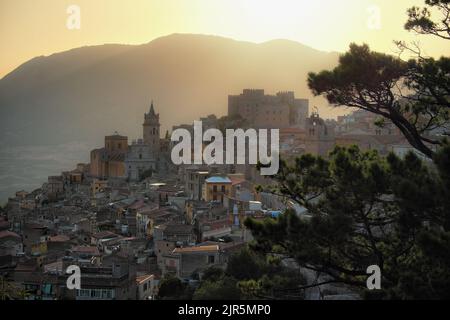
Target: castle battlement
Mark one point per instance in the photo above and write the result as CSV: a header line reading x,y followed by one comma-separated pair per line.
x,y
280,110
253,92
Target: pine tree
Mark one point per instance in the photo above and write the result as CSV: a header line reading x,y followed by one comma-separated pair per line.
x,y
364,209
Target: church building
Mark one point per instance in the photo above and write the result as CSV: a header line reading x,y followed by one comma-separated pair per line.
x,y
143,154
108,162
117,159
319,138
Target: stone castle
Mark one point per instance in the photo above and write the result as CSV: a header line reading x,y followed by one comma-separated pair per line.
x,y
260,110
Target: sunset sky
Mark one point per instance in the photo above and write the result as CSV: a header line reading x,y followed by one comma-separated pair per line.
x,y
30,28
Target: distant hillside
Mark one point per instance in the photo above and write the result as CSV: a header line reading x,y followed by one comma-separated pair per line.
x,y
85,93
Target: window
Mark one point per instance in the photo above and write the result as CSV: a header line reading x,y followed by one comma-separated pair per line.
x,y
211,259
145,286
95,293
214,188
106,294
83,293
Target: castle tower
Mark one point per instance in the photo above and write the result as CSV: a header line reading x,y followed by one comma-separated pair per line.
x,y
151,129
319,139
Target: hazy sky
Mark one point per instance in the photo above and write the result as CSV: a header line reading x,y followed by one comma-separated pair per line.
x,y
30,28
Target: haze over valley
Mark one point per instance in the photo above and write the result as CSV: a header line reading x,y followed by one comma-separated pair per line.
x,y
85,93
56,108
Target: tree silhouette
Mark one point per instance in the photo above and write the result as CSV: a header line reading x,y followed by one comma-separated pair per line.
x,y
414,95
364,209
420,19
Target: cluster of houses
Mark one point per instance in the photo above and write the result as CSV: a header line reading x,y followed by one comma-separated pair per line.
x,y
126,229
125,235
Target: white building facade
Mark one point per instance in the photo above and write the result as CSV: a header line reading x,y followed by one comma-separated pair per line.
x,y
139,159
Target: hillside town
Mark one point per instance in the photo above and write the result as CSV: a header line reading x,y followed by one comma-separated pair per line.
x,y
130,216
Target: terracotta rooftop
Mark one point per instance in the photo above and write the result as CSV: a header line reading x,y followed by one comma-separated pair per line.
x,y
159,212
237,180
105,235
7,234
148,208
137,205
143,278
4,224
86,249
59,238
210,248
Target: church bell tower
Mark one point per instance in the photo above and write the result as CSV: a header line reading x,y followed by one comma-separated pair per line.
x,y
151,129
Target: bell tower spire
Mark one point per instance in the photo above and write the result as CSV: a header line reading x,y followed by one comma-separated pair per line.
x,y
152,110
151,129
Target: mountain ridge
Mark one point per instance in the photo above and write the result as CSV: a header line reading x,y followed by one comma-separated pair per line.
x,y
84,93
